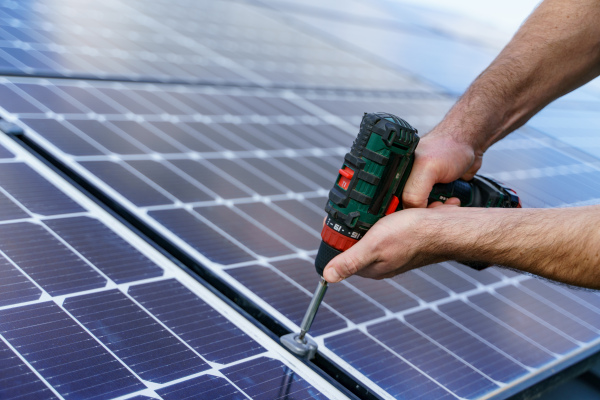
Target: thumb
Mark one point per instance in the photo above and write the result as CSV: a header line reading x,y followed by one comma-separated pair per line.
x,y
349,262
418,186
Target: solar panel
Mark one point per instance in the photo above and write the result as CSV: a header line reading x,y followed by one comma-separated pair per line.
x,y
227,153
248,207
89,310
192,41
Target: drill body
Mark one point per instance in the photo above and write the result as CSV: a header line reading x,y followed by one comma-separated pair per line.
x,y
370,183
368,187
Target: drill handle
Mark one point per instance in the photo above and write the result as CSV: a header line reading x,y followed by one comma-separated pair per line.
x,y
479,192
465,191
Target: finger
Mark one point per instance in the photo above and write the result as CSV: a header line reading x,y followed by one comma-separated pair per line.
x,y
435,204
470,174
349,262
452,201
418,186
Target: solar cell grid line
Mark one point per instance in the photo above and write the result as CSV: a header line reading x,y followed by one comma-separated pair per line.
x,y
207,231
120,338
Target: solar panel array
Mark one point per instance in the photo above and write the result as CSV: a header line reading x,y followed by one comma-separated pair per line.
x,y
89,310
236,175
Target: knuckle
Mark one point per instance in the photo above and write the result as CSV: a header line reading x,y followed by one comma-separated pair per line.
x,y
349,266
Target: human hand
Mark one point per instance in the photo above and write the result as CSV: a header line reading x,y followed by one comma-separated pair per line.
x,y
397,243
439,158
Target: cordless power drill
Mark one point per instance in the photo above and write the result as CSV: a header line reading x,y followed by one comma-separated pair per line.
x,y
368,187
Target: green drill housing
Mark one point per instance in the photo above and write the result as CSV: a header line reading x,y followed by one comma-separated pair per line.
x,y
381,158
370,182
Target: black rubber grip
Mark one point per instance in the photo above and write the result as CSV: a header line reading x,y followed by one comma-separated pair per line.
x,y
325,254
459,188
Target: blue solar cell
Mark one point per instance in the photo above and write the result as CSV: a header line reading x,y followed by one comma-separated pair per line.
x,y
383,292
553,295
4,153
141,398
485,277
200,236
9,210
123,98
282,175
286,298
541,334
303,166
34,192
434,361
209,178
64,354
160,102
218,138
14,286
47,261
295,234
261,185
167,179
290,140
548,313
384,368
268,379
419,286
194,321
184,135
25,34
248,137
62,137
144,135
589,298
91,238
134,336
51,99
9,66
245,231
205,387
17,381
87,97
133,188
28,58
478,354
448,278
106,137
303,212
502,338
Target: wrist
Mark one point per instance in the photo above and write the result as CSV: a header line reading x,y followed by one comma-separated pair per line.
x,y
470,124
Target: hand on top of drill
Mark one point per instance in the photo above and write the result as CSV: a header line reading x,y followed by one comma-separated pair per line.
x,y
397,242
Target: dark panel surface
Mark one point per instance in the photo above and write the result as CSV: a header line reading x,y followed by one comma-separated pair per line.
x,y
91,238
267,379
34,192
18,381
64,354
134,336
195,322
48,262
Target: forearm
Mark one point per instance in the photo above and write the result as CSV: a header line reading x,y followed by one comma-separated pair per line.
x,y
556,50
559,244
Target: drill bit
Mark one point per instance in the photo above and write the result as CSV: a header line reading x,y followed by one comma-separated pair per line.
x,y
298,343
